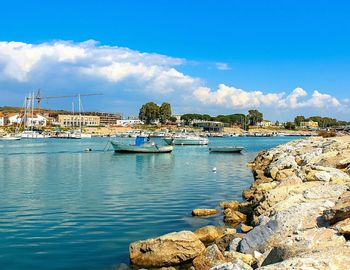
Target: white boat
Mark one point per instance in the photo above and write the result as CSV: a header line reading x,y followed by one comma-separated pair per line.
x,y
186,140
226,149
85,136
141,147
32,134
9,137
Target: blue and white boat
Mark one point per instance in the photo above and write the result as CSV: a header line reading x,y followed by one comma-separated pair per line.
x,y
141,146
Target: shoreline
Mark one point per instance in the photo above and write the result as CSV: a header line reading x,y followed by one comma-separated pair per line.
x,y
295,215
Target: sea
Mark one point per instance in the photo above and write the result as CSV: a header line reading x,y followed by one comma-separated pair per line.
x,y
62,207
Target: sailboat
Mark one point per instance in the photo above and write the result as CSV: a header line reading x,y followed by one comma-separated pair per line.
x,y
30,132
80,134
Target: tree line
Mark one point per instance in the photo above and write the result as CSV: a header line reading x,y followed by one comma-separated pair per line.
x,y
252,118
151,112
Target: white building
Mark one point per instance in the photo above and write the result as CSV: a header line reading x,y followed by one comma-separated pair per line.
x,y
14,119
36,120
129,122
3,119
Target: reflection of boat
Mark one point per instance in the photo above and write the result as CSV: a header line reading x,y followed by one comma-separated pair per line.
x,y
186,140
141,147
9,137
226,149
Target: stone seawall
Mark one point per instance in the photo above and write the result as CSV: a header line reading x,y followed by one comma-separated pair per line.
x,y
296,215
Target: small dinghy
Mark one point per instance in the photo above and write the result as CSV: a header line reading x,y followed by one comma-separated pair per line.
x,y
226,149
141,147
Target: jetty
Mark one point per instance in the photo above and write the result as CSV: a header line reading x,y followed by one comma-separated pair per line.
x,y
295,215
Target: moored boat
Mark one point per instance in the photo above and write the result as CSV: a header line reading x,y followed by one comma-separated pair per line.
x,y
9,137
186,140
141,147
226,149
32,134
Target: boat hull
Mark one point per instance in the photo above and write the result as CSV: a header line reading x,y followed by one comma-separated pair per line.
x,y
226,149
9,138
180,141
124,148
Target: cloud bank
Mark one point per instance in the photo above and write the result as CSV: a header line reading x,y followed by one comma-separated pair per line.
x,y
148,72
122,72
238,98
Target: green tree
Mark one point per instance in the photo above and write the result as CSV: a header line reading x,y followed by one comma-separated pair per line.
x,y
298,119
164,112
149,112
289,125
255,117
172,119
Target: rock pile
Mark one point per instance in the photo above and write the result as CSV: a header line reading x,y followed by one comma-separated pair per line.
x,y
296,215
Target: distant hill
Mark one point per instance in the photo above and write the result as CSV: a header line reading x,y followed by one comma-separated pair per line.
x,y
10,109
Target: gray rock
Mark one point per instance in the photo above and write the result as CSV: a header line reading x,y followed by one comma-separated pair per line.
x,y
237,264
256,239
233,246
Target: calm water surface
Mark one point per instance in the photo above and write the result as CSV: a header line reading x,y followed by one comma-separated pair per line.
x,y
63,208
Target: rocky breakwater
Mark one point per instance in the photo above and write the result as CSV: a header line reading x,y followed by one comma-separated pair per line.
x,y
296,215
300,203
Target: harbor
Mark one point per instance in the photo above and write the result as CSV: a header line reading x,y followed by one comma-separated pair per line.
x,y
59,201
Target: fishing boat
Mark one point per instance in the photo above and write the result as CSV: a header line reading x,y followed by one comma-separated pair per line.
x,y
141,146
9,137
226,149
186,140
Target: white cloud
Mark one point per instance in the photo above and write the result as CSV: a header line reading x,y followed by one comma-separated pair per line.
x,y
126,74
23,62
232,97
222,66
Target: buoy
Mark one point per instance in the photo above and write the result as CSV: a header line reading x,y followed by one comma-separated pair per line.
x,y
214,169
88,149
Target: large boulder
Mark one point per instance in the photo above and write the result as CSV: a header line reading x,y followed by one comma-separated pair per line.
x,y
209,234
257,238
170,249
234,217
210,257
204,212
337,258
237,264
340,211
232,255
343,227
229,204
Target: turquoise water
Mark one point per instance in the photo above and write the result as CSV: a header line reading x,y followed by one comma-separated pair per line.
x,y
63,208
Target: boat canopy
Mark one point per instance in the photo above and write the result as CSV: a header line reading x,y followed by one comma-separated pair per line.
x,y
139,141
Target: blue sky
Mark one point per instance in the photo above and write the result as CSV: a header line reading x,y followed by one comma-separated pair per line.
x,y
202,56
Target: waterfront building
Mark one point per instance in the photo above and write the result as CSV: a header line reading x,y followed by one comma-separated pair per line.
x,y
264,124
129,122
211,126
36,120
3,119
309,124
106,119
178,118
71,120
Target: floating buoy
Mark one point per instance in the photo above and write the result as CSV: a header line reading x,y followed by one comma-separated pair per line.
x,y
214,169
88,149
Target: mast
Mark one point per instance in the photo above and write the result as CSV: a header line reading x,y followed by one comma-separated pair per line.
x,y
73,120
79,112
32,100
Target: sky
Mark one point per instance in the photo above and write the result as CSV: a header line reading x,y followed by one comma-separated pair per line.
x,y
284,58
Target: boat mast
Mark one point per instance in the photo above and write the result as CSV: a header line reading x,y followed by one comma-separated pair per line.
x,y
73,120
32,122
79,112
